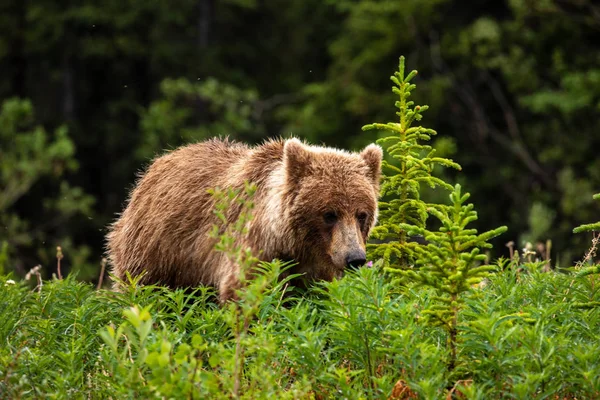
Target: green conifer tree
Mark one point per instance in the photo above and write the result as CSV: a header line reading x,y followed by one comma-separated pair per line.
x,y
450,262
402,179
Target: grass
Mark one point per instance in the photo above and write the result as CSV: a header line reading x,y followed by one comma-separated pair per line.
x,y
522,335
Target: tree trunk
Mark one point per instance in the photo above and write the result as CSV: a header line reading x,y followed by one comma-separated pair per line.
x,y
205,17
18,59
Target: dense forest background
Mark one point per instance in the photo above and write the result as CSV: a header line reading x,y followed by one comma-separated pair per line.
x,y
92,90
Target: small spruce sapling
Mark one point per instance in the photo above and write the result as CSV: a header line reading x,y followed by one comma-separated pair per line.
x,y
228,234
255,277
450,263
228,242
402,179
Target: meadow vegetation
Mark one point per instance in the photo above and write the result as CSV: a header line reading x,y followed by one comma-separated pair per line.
x,y
434,318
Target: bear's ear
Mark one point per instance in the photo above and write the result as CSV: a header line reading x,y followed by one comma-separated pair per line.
x,y
296,159
373,154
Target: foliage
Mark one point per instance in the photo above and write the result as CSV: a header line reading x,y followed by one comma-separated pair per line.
x,y
254,278
33,164
413,165
173,119
450,263
228,234
357,337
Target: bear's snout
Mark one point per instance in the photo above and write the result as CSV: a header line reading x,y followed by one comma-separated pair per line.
x,y
347,245
356,259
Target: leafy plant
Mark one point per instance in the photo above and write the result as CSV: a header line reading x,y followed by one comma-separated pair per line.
x,y
450,263
358,337
413,166
254,277
30,156
190,111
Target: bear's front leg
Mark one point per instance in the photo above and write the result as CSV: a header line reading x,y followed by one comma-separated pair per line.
x,y
229,284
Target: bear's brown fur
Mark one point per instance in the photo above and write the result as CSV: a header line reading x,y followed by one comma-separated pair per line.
x,y
315,205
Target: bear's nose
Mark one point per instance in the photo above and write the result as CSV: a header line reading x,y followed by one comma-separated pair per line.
x,y
356,259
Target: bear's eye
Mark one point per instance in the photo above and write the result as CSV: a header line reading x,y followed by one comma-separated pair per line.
x,y
330,217
361,217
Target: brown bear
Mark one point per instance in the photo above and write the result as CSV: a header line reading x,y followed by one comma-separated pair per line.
x,y
314,205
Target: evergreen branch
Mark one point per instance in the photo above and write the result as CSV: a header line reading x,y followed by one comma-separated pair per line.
x,y
385,127
445,162
420,130
587,228
594,269
588,305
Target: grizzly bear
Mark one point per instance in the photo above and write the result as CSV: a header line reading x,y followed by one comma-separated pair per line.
x,y
314,205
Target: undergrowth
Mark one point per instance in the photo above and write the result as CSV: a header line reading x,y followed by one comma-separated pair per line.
x,y
360,337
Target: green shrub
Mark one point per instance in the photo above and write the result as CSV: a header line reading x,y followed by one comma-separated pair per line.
x,y
358,337
34,164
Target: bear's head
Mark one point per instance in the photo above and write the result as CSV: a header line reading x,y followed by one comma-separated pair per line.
x,y
331,206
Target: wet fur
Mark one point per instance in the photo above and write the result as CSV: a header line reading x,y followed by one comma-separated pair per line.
x,y
163,231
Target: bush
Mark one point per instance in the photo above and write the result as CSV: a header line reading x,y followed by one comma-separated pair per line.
x,y
359,337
